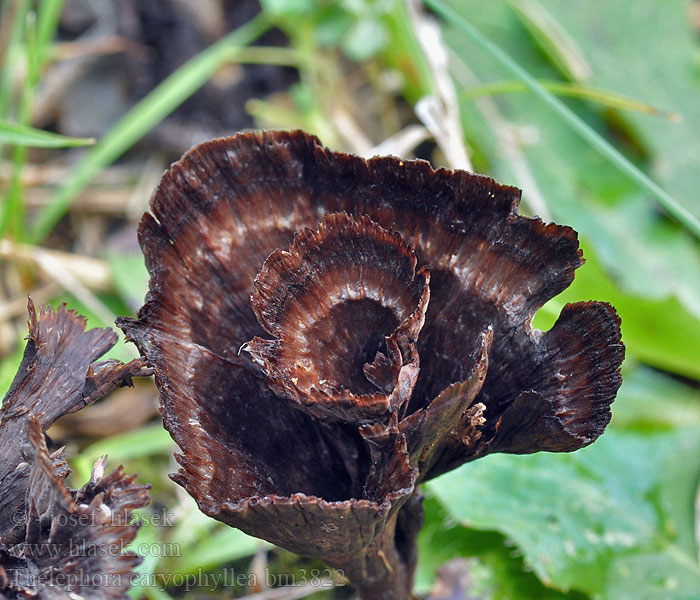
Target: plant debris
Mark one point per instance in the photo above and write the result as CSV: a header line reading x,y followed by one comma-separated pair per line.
x,y
53,540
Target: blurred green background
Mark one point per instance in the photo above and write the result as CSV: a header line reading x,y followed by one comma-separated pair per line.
x,y
592,108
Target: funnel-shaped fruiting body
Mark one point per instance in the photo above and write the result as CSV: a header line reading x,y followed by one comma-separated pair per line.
x,y
328,331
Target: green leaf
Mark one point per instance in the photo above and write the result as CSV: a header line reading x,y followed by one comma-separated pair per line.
x,y
649,399
495,566
223,545
644,252
660,333
583,520
365,39
129,276
553,39
663,577
569,117
23,135
147,441
657,252
664,77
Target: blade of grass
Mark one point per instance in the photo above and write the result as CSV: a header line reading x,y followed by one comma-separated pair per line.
x,y
143,117
19,17
553,39
221,546
13,209
23,135
40,28
146,441
670,204
48,16
570,90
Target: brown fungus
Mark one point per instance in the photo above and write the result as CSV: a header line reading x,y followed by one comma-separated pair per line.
x,y
56,542
74,543
387,340
311,300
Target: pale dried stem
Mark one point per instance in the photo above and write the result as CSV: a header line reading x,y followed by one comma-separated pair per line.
x,y
91,273
440,112
401,144
508,143
17,307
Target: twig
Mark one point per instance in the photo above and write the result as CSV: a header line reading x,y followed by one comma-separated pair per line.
x,y
402,143
440,112
57,271
17,307
90,273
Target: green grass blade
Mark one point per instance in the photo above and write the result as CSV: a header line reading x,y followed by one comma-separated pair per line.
x,y
670,204
23,135
13,209
143,117
221,546
48,15
39,31
553,39
18,12
571,90
146,441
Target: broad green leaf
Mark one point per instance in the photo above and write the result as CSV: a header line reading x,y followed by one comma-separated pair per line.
x,y
648,255
660,333
553,39
563,114
650,399
584,520
495,566
23,135
664,576
666,76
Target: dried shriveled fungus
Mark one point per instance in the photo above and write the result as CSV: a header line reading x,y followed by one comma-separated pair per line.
x,y
327,332
56,542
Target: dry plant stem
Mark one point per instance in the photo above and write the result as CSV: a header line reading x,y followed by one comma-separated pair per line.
x,y
92,273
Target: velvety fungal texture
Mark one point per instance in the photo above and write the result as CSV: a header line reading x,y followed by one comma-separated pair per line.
x,y
58,543
328,331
